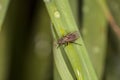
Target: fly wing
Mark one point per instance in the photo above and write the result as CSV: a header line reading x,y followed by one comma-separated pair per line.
x,y
72,36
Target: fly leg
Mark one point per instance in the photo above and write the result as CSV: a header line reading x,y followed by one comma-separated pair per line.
x,y
66,44
75,43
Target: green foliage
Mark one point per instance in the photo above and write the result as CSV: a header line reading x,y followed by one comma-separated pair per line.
x,y
26,42
3,8
77,55
3,43
95,33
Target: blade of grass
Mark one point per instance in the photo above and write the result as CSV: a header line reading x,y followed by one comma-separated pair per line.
x,y
62,69
109,16
74,7
95,33
38,63
58,59
63,20
3,43
4,63
112,63
3,9
56,74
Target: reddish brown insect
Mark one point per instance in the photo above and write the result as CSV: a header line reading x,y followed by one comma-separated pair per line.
x,y
68,38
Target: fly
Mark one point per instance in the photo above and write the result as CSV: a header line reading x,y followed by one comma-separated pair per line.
x,y
68,38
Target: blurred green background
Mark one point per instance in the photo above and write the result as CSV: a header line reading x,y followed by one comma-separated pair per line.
x,y
26,42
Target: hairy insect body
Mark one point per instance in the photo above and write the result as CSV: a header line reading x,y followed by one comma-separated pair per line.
x,y
69,38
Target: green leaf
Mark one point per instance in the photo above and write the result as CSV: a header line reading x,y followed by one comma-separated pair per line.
x,y
63,20
3,9
95,33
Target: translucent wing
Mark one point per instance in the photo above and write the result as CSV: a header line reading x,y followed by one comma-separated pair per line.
x,y
71,36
